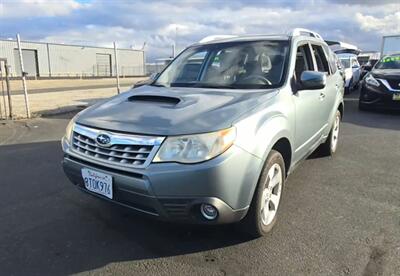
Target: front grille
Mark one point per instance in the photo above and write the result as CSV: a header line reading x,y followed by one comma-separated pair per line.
x,y
125,150
122,154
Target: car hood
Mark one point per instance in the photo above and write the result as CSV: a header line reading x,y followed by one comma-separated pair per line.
x,y
386,73
173,111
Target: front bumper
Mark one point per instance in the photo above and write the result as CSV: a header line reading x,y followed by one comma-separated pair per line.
x,y
377,97
174,192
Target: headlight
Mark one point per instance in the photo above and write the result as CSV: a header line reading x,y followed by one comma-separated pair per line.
x,y
195,148
371,80
69,130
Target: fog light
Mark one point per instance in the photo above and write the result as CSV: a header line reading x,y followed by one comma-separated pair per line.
x,y
208,211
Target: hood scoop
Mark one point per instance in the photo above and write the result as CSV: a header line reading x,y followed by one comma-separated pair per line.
x,y
159,99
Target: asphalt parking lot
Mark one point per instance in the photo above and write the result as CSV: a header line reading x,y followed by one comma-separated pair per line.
x,y
339,216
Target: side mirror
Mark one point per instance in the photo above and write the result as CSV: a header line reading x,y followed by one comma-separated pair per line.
x,y
310,80
367,67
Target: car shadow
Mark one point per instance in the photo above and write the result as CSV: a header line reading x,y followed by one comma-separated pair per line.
x,y
65,112
47,225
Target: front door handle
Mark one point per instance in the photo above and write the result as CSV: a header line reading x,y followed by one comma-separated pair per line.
x,y
322,96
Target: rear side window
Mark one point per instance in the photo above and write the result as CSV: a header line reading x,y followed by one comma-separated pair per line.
x,y
333,60
303,60
320,58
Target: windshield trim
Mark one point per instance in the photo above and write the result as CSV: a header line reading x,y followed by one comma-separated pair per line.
x,y
230,44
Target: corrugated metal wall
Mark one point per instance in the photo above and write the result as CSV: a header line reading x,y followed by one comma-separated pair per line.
x,y
57,60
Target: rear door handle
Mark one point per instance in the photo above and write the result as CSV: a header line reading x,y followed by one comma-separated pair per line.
x,y
322,96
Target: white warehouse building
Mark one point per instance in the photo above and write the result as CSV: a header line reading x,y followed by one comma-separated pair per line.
x,y
60,60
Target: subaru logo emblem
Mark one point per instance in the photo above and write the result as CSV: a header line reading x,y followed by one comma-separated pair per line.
x,y
103,140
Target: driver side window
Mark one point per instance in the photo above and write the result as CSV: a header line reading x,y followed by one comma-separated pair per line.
x,y
320,58
303,61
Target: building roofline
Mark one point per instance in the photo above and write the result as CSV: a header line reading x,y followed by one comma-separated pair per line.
x,y
73,45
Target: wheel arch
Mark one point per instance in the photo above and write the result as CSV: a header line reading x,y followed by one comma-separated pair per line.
x,y
341,109
284,147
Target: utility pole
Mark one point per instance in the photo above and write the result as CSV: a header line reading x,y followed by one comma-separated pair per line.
x,y
173,50
174,46
28,111
116,68
144,71
2,91
7,68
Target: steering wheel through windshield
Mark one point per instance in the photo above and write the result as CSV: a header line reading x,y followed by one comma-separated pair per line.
x,y
259,78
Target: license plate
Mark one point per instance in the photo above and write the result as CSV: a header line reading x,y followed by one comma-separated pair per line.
x,y
98,182
396,97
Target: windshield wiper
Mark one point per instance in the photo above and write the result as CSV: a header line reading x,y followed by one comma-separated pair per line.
x,y
220,86
158,85
182,84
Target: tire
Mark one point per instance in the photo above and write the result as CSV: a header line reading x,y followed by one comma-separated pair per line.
x,y
258,223
330,146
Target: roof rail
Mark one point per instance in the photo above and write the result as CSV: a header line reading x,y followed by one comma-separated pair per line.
x,y
215,37
306,32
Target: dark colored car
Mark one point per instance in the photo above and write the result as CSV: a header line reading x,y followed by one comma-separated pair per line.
x,y
365,68
381,86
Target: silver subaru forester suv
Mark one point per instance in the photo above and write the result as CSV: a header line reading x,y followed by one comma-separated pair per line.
x,y
212,138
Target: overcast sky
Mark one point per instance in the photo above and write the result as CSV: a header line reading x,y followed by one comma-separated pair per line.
x,y
159,23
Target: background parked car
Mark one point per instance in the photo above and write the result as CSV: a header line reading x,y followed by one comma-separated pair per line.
x,y
347,54
367,60
381,86
352,71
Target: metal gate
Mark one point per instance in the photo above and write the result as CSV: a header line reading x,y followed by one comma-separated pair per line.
x,y
5,97
103,62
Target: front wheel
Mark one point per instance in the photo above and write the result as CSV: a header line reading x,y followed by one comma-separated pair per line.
x,y
330,146
264,207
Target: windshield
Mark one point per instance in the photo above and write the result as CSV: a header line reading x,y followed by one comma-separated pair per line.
x,y
391,62
345,62
244,65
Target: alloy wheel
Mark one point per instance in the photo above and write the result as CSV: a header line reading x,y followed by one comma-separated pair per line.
x,y
335,133
271,194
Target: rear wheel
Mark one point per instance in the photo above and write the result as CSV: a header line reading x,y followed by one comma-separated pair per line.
x,y
330,146
263,210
